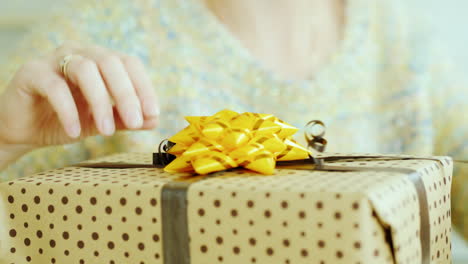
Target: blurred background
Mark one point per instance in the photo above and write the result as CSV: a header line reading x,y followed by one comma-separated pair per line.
x,y
447,19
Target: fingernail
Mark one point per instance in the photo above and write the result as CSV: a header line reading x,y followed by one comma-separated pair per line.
x,y
152,110
108,126
135,119
74,131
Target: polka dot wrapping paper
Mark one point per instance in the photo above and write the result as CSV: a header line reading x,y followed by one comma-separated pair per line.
x,y
91,215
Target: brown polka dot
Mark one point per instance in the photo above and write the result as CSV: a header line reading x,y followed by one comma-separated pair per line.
x,y
302,215
108,192
79,226
93,200
141,246
321,244
51,208
64,200
12,250
201,212
203,248
51,191
233,212
337,215
155,238
202,230
304,253
338,235
355,205
153,202
12,216
108,210
284,204
65,235
138,192
95,236
11,199
39,233
110,245
37,200
26,225
52,243
269,251
23,190
217,203
79,209
27,241
219,240
339,254
138,210
200,194
376,252
28,259
109,227
125,236
24,208
80,244
286,242
252,241
12,232
267,213
357,244
123,201
250,204
65,218
66,252
236,250
319,205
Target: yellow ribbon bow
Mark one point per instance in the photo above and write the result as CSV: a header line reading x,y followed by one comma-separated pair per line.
x,y
229,139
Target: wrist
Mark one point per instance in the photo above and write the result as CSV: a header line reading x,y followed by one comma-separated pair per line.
x,y
9,153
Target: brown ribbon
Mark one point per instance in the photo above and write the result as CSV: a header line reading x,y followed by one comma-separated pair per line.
x,y
175,234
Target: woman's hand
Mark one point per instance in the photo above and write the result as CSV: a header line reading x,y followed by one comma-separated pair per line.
x,y
105,91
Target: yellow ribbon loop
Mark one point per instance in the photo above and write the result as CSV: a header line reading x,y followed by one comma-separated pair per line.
x,y
229,139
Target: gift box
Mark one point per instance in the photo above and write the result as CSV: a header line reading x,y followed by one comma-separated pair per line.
x,y
389,209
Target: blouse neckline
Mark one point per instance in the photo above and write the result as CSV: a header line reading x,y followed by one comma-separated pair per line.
x,y
357,22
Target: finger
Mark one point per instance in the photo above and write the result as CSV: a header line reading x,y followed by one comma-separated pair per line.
x,y
143,86
147,123
55,89
85,74
121,88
